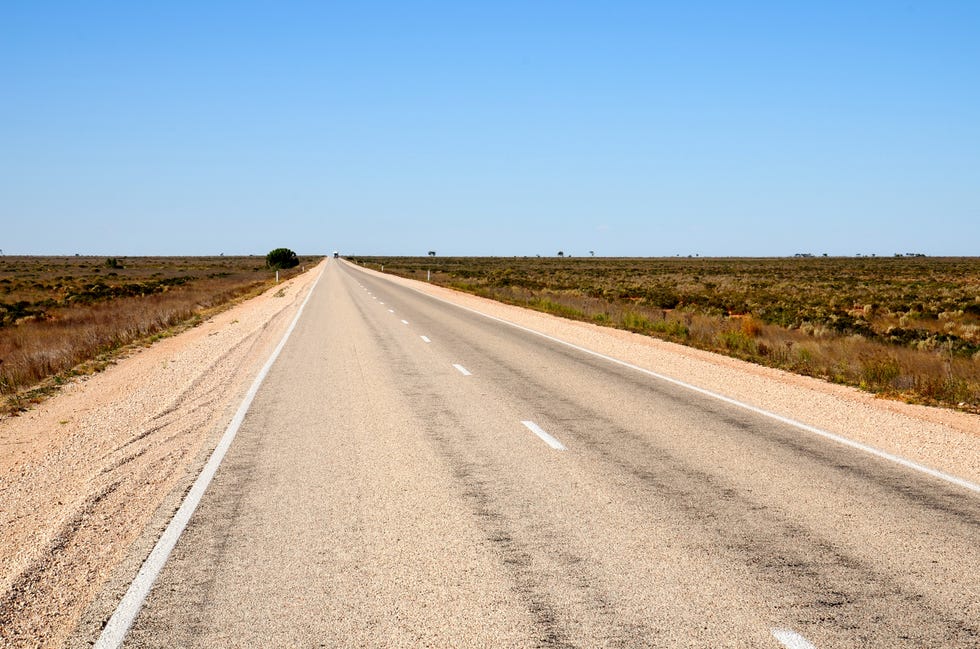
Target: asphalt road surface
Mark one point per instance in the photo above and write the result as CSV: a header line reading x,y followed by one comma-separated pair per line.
x,y
413,474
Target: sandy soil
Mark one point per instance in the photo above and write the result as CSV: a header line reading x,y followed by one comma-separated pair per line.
x,y
88,477
82,474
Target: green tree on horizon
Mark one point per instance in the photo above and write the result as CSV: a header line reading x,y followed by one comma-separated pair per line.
x,y
281,258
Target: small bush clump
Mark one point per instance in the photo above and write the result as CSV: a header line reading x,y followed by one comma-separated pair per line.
x,y
281,258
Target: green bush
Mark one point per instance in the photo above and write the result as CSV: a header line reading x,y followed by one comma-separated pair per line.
x,y
636,322
738,342
878,374
671,328
556,308
281,258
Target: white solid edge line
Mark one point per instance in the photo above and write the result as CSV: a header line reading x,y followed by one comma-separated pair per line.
x,y
840,439
548,439
129,607
462,370
791,639
425,339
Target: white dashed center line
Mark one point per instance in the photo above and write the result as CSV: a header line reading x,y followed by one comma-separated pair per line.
x,y
391,310
548,439
791,639
425,339
404,321
462,370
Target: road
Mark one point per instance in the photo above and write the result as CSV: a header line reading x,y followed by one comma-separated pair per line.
x,y
389,488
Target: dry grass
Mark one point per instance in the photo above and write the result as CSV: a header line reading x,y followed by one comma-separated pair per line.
x,y
61,316
905,328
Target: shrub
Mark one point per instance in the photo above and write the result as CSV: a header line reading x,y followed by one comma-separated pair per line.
x,y
671,328
738,341
663,296
62,314
281,258
751,327
879,374
556,308
636,322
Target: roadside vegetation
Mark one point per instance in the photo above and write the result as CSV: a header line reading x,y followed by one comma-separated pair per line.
x,y
281,258
64,316
902,327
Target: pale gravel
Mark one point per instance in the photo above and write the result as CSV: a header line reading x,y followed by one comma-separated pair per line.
x,y
82,474
90,476
941,439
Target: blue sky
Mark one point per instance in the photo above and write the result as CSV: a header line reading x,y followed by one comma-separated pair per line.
x,y
490,128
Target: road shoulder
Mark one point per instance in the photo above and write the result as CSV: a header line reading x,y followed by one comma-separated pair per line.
x,y
940,439
93,472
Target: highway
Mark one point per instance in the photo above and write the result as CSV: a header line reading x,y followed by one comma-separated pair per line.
x,y
415,474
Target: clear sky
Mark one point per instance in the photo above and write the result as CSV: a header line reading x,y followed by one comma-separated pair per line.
x,y
490,128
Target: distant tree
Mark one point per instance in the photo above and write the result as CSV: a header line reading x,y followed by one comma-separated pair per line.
x,y
112,262
281,258
561,254
432,253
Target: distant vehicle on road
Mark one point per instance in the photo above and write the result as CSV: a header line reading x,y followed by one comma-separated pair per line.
x,y
335,254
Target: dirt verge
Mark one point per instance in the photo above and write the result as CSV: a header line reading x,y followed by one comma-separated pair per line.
x,y
82,474
942,439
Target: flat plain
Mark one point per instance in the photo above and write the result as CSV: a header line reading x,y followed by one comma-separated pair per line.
x,y
67,315
905,327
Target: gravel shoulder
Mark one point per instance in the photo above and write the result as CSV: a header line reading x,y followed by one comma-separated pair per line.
x,y
945,440
84,474
90,477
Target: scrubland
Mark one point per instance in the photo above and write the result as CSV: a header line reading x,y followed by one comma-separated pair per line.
x,y
902,327
67,315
